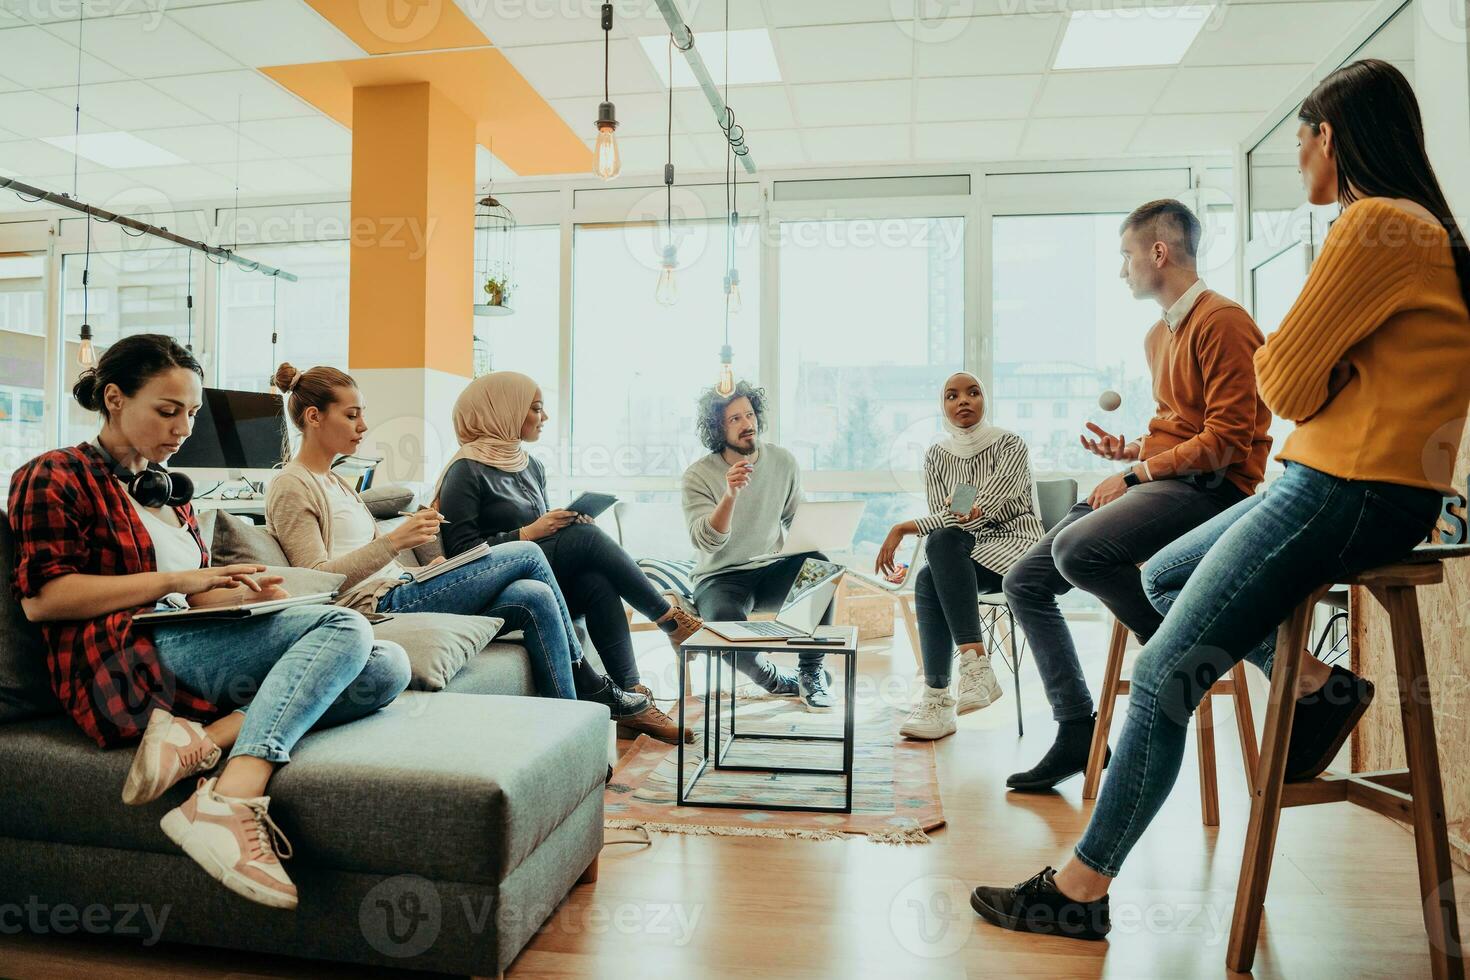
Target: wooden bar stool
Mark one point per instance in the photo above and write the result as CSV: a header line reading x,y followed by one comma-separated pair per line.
x,y
1233,685
1414,795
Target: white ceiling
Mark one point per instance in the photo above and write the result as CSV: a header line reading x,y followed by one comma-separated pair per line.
x,y
863,82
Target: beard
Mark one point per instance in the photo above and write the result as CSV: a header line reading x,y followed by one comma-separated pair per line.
x,y
745,450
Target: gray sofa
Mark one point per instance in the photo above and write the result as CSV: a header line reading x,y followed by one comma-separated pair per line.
x,y
437,834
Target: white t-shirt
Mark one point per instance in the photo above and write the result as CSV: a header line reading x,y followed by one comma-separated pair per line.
x,y
352,525
174,548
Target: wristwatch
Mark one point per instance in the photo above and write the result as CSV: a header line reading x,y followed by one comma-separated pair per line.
x,y
1130,477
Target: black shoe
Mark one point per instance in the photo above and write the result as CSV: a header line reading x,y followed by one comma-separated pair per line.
x,y
815,688
1037,905
1066,758
1322,722
622,704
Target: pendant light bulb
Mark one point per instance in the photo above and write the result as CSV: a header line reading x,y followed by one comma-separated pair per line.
x,y
86,353
667,292
609,158
726,385
732,291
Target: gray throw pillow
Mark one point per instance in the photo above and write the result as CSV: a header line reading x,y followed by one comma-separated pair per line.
x,y
386,501
25,684
236,541
438,644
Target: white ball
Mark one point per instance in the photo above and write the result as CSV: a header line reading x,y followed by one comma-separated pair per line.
x,y
1109,400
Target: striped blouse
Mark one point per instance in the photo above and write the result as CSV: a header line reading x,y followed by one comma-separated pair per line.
x,y
1008,524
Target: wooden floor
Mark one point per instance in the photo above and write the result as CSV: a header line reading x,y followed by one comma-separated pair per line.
x,y
1343,901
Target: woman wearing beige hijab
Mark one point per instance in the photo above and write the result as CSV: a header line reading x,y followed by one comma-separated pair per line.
x,y
493,491
321,523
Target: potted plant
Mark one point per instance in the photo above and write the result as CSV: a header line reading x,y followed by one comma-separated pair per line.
x,y
497,289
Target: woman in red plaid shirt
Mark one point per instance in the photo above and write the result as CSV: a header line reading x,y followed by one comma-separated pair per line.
x,y
96,543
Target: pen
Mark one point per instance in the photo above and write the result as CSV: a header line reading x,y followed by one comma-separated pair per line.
x,y
414,513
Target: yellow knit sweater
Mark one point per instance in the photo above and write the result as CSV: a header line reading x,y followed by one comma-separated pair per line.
x,y
1383,296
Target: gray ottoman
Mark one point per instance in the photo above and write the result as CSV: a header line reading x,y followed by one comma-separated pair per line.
x,y
437,834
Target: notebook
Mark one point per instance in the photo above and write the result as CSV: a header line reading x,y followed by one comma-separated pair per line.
x,y
450,564
247,610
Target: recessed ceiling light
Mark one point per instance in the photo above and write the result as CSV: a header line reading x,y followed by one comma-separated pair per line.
x,y
752,58
1131,36
119,151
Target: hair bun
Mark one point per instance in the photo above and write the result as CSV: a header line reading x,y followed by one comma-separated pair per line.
x,y
86,392
287,376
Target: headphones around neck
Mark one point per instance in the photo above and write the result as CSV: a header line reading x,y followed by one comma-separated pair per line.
x,y
154,486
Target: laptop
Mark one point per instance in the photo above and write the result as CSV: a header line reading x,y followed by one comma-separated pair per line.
x,y
801,613
821,525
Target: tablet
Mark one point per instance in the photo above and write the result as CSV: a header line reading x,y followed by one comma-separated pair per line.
x,y
592,504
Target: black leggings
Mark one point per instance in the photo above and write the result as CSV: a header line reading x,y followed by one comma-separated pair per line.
x,y
944,599
596,575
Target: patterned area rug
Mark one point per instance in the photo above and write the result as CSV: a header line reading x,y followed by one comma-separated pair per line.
x,y
895,789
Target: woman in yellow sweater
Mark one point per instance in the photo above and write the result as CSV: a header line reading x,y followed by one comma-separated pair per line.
x,y
1371,362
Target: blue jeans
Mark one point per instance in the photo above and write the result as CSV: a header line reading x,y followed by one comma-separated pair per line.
x,y
1227,586
301,668
946,595
515,583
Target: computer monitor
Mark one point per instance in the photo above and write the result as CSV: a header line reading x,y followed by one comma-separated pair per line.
x,y
234,431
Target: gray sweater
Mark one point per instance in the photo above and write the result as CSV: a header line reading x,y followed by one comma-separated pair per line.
x,y
763,511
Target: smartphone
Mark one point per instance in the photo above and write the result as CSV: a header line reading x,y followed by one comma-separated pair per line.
x,y
963,500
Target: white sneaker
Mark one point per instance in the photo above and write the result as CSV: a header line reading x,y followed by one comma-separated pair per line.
x,y
933,717
978,686
235,840
172,749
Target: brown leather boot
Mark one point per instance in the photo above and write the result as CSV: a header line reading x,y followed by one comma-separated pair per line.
x,y
653,722
685,623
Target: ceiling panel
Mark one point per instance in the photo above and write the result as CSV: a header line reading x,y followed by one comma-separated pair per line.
x,y
210,143
1103,93
992,140
757,107
32,158
269,32
855,52
1277,33
273,177
1199,133
1238,88
36,115
101,189
337,170
59,11
856,144
220,95
563,71
1009,45
776,148
647,154
853,103
980,97
144,46
130,105
305,136
33,58
1079,137
184,183
643,114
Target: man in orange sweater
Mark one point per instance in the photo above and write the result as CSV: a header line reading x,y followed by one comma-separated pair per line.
x,y
1205,450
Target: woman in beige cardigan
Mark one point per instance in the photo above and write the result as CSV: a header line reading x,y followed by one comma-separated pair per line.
x,y
321,523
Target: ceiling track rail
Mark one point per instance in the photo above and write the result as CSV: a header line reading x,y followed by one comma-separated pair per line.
x,y
684,41
107,217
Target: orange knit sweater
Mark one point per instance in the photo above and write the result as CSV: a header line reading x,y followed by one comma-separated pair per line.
x,y
1383,295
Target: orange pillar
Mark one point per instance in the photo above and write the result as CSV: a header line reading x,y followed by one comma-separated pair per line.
x,y
411,328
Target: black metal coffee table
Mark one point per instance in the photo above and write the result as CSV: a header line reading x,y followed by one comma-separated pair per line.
x,y
713,646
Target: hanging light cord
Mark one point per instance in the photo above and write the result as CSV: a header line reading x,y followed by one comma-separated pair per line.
x,y
606,51
669,165
189,300
76,138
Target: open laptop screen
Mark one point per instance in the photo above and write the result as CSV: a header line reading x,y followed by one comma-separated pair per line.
x,y
813,575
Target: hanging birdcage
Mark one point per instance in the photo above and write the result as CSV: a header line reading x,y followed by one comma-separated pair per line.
x,y
495,257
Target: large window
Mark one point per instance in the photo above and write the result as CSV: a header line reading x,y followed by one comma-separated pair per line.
x,y
527,340
638,367
1066,330
1276,285
310,315
23,363
872,322
139,290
